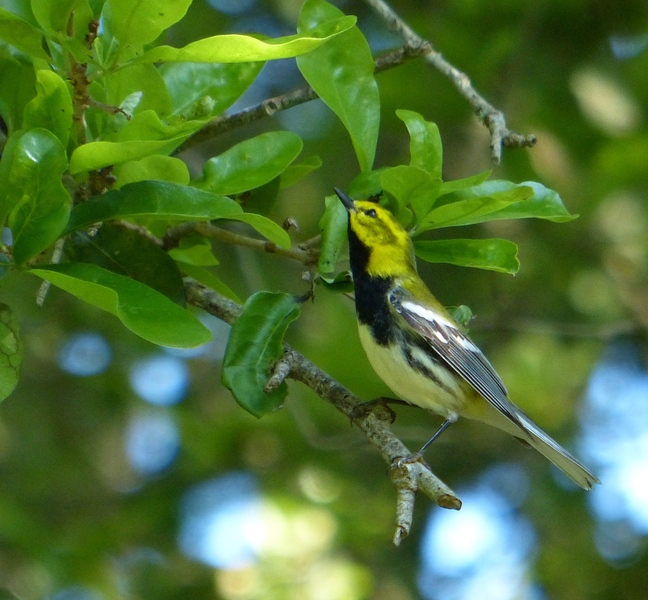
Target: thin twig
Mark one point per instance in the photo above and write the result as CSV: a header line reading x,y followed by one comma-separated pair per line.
x,y
44,288
173,236
408,478
490,116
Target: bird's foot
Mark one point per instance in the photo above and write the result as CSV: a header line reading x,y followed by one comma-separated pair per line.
x,y
379,406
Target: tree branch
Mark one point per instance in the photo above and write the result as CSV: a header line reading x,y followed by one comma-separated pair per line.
x,y
271,106
408,479
491,117
172,238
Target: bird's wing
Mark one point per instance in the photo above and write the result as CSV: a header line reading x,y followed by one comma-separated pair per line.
x,y
457,350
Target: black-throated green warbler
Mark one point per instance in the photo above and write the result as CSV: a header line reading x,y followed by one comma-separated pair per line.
x,y
418,349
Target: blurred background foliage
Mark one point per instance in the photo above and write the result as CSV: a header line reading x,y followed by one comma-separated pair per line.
x,y
127,471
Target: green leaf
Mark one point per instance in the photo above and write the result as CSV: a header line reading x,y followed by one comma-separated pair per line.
x,y
342,74
254,347
10,351
492,254
22,35
52,107
31,192
96,155
206,277
14,97
333,224
190,85
294,173
53,15
141,309
341,283
543,204
466,182
143,135
244,48
489,199
251,163
137,23
194,250
154,168
426,151
266,227
145,79
153,199
412,186
125,252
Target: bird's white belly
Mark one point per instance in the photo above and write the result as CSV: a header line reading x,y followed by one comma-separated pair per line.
x,y
390,364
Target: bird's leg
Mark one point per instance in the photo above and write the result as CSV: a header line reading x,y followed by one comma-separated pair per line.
x,y
412,458
383,402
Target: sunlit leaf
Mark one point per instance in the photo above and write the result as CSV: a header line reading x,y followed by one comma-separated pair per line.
x,y
266,227
154,168
342,74
200,90
21,34
251,163
245,48
255,345
491,254
426,151
32,194
141,309
52,107
138,23
474,209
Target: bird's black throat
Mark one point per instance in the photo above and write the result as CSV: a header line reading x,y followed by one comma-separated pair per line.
x,y
371,293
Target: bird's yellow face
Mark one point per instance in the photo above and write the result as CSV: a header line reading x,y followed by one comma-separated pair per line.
x,y
390,246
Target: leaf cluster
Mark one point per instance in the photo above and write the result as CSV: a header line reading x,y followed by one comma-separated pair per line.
x,y
98,109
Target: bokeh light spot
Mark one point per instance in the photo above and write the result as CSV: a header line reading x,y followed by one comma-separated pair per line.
x,y
162,379
84,354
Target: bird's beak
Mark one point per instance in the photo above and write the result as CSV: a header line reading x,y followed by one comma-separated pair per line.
x,y
349,204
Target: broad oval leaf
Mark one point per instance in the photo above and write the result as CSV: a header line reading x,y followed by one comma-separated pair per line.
x,y
139,23
190,84
151,168
474,209
543,204
426,151
266,227
22,35
153,199
254,347
144,311
492,254
52,107
97,155
251,163
244,48
333,225
342,74
32,193
411,185
126,252
10,351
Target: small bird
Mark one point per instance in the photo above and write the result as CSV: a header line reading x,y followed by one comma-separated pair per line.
x,y
417,348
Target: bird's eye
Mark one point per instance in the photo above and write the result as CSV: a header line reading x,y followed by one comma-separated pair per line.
x,y
371,213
